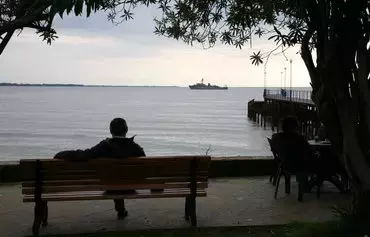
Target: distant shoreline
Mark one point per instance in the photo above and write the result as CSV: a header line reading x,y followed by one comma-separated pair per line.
x,y
82,85
70,85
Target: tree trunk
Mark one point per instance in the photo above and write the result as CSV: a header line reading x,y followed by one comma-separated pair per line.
x,y
340,109
347,107
361,205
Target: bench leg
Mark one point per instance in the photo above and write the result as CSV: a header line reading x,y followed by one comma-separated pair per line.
x,y
287,183
38,217
301,189
187,205
276,174
45,214
192,209
277,182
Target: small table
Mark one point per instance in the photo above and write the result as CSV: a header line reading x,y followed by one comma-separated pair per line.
x,y
324,147
319,144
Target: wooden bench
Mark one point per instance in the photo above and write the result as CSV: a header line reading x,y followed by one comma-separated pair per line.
x,y
49,180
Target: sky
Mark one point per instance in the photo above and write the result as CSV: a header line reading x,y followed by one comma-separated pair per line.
x,y
96,52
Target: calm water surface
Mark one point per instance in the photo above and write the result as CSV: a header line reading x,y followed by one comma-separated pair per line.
x,y
40,121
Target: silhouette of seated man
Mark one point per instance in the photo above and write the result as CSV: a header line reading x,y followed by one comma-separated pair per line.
x,y
292,149
116,147
321,134
283,92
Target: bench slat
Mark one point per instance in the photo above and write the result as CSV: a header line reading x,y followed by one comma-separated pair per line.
x,y
29,184
115,174
52,165
58,164
77,188
64,177
108,168
102,196
118,160
141,163
121,181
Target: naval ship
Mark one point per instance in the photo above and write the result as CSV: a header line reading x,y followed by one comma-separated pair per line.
x,y
202,86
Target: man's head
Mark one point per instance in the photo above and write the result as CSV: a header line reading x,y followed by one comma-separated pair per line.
x,y
290,124
118,127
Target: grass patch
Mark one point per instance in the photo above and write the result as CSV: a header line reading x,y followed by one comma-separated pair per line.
x,y
346,227
265,231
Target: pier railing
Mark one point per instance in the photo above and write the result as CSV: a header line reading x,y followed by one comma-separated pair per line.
x,y
301,96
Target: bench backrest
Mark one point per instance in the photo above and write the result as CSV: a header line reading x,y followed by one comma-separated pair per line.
x,y
271,148
52,175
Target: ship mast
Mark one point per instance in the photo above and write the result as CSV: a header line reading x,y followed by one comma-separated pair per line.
x,y
202,80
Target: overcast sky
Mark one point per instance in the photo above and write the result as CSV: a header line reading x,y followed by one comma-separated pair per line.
x,y
94,51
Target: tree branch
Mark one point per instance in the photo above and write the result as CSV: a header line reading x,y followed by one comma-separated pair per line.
x,y
27,19
363,64
6,40
39,27
363,90
307,56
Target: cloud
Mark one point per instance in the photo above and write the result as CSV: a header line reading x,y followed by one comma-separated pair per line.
x,y
95,41
142,24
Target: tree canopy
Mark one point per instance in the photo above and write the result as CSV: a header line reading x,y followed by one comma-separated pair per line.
x,y
15,15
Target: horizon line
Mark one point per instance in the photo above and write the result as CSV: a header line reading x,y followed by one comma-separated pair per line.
x,y
112,85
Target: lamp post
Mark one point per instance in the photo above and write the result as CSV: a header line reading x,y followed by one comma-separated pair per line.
x,y
291,76
264,81
281,80
264,77
284,78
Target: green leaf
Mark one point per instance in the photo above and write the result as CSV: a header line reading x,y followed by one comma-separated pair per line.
x,y
259,32
226,37
60,12
88,11
69,6
78,7
256,58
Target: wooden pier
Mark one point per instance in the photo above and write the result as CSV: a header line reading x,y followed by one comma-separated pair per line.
x,y
278,104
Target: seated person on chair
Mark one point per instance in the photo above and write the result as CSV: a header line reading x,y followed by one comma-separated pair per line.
x,y
321,134
292,149
116,147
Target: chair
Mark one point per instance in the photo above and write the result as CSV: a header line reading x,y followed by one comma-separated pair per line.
x,y
273,177
287,171
287,175
302,178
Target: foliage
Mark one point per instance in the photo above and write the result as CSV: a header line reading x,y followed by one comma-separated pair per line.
x,y
15,15
341,228
230,22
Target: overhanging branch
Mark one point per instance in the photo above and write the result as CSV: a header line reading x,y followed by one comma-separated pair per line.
x,y
6,40
39,27
19,23
306,54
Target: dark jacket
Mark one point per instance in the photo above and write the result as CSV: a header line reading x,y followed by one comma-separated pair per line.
x,y
292,149
116,147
